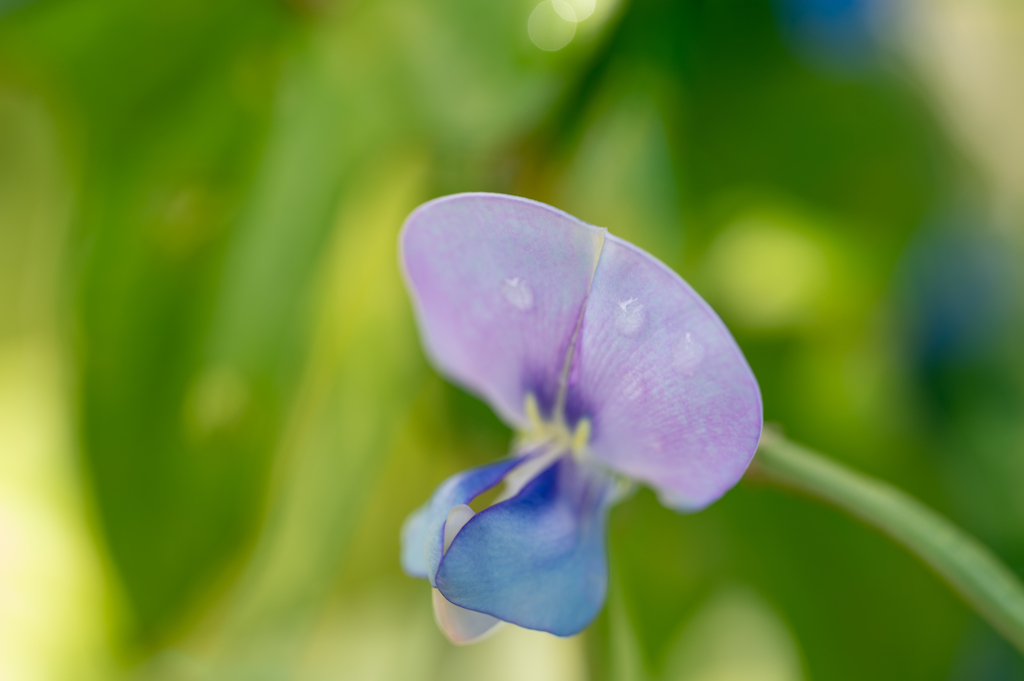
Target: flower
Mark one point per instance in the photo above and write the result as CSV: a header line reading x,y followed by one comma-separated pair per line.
x,y
613,371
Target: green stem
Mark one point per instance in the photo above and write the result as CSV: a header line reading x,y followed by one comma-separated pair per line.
x,y
970,568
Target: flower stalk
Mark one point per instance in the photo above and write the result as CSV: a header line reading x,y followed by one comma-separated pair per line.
x,y
965,564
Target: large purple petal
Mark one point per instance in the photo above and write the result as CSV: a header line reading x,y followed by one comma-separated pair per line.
x,y
538,559
498,284
672,400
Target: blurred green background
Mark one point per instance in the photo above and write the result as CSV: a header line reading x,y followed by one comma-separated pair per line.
x,y
215,413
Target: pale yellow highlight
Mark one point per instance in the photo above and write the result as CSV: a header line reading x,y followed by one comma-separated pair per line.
x,y
767,273
382,635
735,636
55,615
55,603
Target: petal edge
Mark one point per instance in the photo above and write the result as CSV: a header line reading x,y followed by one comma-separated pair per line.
x,y
536,560
672,400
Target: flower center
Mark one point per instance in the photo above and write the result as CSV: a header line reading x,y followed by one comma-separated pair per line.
x,y
549,440
554,433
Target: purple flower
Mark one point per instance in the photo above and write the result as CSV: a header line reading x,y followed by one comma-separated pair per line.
x,y
612,370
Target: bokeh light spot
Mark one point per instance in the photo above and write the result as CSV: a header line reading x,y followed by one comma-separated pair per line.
x,y
735,636
581,9
552,25
565,10
767,274
217,399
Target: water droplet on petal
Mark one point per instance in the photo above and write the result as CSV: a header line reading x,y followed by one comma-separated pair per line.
x,y
688,354
630,317
518,293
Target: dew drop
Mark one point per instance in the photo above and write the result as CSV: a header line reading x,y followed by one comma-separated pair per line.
x,y
518,293
688,354
630,317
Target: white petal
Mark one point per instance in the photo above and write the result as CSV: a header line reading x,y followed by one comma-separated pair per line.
x,y
462,626
458,516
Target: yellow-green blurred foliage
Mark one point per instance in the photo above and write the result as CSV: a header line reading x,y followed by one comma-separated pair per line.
x,y
215,412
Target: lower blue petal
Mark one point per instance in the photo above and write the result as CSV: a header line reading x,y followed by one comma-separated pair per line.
x,y
423,530
538,559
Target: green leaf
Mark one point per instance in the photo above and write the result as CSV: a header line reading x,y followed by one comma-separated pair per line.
x,y
170,105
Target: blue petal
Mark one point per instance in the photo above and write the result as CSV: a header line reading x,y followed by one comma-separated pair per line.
x,y
423,530
536,560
